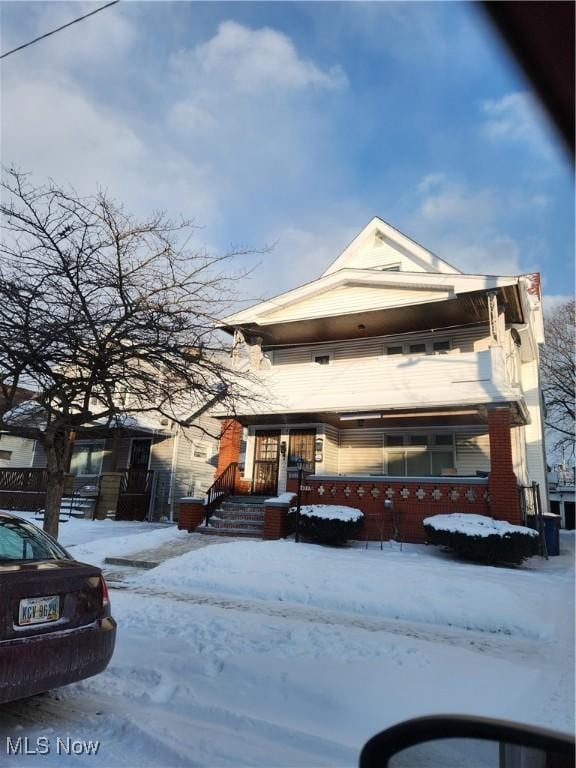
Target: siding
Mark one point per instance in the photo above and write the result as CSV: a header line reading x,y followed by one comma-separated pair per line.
x,y
355,298
535,462
472,452
411,381
331,449
473,339
21,448
193,474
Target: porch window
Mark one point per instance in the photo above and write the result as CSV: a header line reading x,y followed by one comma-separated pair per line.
x,y
417,349
86,459
421,455
302,444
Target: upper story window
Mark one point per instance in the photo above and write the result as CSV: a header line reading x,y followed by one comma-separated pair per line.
x,y
200,450
323,359
388,267
440,347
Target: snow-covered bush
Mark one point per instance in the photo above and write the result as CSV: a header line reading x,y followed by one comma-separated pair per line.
x,y
327,523
480,538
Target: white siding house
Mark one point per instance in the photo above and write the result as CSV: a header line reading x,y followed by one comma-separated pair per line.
x,y
402,369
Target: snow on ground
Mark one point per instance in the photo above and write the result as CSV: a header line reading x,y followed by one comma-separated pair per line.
x,y
277,654
90,541
398,585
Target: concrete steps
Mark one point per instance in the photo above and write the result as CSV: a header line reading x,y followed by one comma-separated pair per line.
x,y
237,516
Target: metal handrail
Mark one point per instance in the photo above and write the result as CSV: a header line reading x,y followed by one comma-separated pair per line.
x,y
221,488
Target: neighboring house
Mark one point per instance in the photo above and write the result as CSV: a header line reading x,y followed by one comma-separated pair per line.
x,y
562,495
16,451
168,460
396,377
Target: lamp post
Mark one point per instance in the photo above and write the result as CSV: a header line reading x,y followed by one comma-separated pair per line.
x,y
300,467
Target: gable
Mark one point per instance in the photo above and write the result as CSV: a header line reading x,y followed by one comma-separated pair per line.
x,y
379,246
351,298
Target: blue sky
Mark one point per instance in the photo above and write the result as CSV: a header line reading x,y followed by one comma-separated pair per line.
x,y
292,124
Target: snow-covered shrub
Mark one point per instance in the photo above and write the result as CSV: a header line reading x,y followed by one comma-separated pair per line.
x,y
327,523
480,538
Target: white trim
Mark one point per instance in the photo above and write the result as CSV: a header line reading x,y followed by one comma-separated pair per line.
x,y
454,284
377,227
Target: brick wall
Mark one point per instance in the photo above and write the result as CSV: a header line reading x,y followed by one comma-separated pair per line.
x,y
503,486
275,521
230,441
191,514
229,451
412,501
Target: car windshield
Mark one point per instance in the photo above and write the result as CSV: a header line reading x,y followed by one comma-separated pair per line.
x,y
21,541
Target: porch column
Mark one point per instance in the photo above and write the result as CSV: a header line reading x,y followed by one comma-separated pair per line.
x,y
502,485
230,442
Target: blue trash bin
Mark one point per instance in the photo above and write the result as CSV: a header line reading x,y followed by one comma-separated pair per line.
x,y
552,533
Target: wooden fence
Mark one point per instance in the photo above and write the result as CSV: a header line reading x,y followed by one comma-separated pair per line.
x,y
23,489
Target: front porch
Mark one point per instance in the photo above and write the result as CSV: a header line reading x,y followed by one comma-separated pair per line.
x,y
423,463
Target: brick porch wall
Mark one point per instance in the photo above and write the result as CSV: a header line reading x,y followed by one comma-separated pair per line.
x,y
412,501
503,486
229,451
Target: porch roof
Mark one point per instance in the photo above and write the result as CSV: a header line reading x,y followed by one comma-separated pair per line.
x,y
441,306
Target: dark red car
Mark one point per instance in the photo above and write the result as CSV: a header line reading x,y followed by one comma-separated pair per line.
x,y
55,622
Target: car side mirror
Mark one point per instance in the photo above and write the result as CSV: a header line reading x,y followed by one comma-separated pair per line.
x,y
455,741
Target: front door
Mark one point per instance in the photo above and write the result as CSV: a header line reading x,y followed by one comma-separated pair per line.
x,y
140,453
138,464
266,457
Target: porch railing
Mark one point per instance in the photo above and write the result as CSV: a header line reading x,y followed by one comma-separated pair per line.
x,y
221,488
26,479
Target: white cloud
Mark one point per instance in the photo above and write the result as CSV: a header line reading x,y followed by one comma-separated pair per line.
x,y
465,226
453,203
103,38
516,118
250,60
551,302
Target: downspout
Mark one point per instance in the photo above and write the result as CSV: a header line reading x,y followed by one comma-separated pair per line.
x,y
173,472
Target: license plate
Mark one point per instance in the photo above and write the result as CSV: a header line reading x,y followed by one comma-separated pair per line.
x,y
38,610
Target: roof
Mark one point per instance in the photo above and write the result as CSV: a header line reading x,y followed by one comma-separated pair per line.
x,y
380,269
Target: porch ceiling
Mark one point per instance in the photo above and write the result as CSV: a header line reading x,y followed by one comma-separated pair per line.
x,y
444,417
465,309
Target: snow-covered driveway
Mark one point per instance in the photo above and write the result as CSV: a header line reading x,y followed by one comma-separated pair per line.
x,y
277,654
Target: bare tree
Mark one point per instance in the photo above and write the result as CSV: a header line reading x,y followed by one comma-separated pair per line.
x,y
104,316
558,377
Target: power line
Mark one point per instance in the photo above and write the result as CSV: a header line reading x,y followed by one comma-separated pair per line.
x,y
53,32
